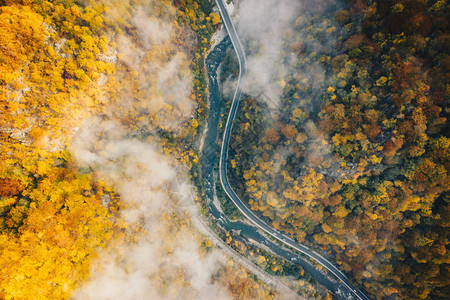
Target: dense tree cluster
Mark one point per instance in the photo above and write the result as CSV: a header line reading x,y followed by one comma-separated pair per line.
x,y
51,215
356,162
61,63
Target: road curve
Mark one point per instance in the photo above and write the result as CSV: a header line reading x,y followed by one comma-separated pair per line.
x,y
224,157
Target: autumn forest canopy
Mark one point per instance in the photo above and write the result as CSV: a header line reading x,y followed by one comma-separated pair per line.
x,y
355,158
344,147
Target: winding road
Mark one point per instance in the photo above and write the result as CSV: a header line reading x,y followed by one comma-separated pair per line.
x,y
231,30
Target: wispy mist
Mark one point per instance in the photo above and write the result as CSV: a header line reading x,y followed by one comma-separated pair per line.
x,y
155,78
276,47
262,25
165,259
166,262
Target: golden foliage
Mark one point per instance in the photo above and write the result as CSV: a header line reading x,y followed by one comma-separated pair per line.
x,y
51,217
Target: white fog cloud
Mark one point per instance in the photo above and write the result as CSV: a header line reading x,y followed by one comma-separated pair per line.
x,y
262,24
166,262
150,29
158,66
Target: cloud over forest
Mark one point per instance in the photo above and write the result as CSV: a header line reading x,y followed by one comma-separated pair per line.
x,y
165,261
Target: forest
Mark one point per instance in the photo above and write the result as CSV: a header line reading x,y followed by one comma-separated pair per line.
x,y
355,161
65,66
